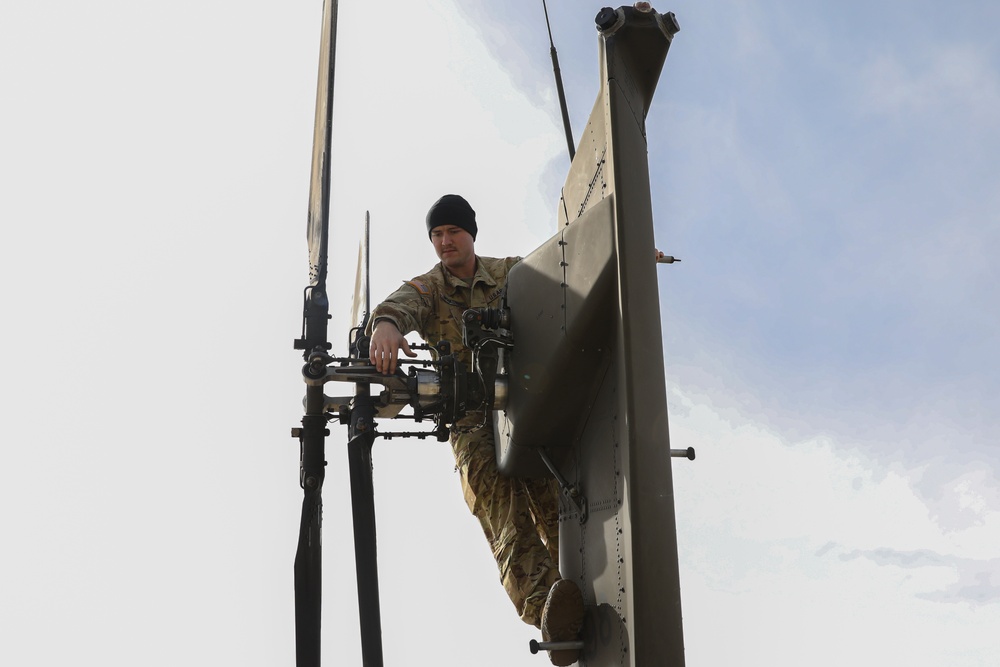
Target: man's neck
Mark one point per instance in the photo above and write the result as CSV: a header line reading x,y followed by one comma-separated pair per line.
x,y
464,272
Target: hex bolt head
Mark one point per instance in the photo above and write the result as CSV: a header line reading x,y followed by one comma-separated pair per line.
x,y
605,18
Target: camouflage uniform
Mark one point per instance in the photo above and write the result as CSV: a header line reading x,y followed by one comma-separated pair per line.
x,y
520,517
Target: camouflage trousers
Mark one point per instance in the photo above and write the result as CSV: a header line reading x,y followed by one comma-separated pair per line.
x,y
520,518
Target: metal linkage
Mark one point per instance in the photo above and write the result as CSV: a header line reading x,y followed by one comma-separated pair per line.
x,y
442,389
440,433
571,492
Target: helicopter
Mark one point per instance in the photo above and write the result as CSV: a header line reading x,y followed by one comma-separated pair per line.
x,y
568,369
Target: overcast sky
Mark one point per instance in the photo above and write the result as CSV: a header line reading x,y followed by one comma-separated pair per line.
x,y
827,172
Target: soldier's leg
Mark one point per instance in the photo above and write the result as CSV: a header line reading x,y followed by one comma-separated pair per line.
x,y
543,500
501,505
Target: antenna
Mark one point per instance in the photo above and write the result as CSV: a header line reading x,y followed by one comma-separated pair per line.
x,y
559,86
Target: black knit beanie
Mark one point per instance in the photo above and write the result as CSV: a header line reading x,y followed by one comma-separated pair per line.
x,y
452,210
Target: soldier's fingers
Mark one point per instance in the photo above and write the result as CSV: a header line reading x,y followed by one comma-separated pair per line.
x,y
380,360
407,350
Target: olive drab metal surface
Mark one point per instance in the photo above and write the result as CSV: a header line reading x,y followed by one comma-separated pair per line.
x,y
586,373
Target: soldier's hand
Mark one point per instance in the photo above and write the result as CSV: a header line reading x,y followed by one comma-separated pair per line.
x,y
385,345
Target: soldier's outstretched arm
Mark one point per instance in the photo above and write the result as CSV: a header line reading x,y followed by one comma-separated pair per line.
x,y
386,342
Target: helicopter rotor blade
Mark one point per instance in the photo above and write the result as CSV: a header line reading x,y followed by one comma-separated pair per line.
x,y
317,232
314,342
308,581
361,303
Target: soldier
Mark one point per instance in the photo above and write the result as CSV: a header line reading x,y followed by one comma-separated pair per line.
x,y
520,517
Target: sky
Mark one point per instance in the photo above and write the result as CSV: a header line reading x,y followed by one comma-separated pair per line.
x,y
826,172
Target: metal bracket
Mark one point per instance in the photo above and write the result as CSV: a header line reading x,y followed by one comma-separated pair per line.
x,y
571,492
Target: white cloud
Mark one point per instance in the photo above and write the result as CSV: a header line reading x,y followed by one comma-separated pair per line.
x,y
806,550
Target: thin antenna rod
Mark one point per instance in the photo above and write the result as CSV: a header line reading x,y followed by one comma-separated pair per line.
x,y
559,87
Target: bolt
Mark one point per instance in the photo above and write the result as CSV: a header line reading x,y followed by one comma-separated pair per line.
x,y
605,18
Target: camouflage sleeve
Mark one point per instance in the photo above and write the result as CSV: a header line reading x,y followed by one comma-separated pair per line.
x,y
407,308
508,264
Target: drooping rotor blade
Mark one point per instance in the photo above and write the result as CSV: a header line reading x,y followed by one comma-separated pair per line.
x,y
359,450
312,435
309,555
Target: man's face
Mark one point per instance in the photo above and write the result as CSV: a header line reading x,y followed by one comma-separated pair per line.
x,y
455,247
